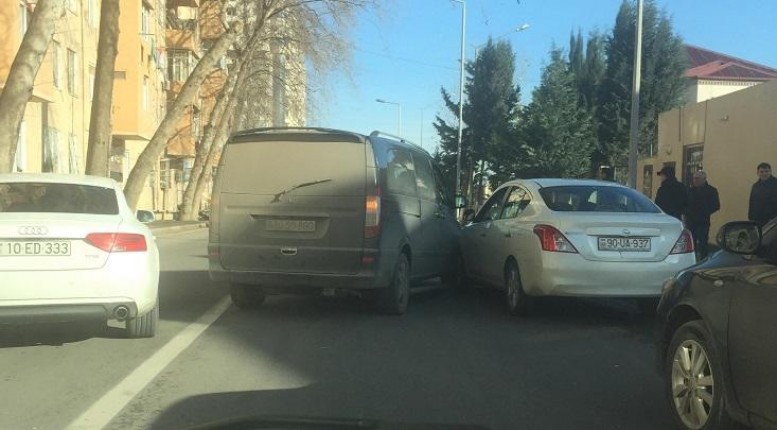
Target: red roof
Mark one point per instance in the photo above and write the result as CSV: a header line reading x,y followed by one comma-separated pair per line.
x,y
706,64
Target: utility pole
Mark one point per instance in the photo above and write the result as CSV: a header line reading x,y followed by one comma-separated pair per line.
x,y
634,138
461,94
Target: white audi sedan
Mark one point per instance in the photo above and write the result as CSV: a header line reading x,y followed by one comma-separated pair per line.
x,y
71,249
566,237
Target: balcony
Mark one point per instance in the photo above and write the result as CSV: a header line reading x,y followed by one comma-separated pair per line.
x,y
182,34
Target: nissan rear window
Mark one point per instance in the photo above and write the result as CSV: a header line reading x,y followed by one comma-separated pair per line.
x,y
57,198
582,198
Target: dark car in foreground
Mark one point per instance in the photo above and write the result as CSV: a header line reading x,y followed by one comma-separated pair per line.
x,y
717,334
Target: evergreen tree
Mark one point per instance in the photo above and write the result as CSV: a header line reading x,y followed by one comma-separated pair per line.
x,y
557,129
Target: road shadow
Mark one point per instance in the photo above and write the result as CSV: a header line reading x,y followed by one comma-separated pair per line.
x,y
55,334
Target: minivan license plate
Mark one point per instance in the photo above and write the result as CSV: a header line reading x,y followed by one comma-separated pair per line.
x,y
637,244
289,225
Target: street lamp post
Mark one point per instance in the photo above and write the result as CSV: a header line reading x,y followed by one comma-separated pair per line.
x,y
399,108
634,135
518,29
461,94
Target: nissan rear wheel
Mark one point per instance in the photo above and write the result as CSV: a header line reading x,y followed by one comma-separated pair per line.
x,y
393,300
144,325
246,296
695,381
517,300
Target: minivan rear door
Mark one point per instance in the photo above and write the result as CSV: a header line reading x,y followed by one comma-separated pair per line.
x,y
292,203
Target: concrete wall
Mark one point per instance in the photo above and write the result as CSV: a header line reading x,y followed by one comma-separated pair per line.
x,y
737,131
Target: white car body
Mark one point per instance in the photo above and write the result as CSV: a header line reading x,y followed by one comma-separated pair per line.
x,y
585,270
42,282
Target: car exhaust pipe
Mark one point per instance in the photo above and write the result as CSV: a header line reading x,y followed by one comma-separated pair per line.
x,y
121,312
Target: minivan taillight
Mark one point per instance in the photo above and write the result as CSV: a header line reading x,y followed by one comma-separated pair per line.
x,y
553,240
372,216
684,244
117,242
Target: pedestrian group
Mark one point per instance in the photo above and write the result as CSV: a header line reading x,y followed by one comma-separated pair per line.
x,y
696,204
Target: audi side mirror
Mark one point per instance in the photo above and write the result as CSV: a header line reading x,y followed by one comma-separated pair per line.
x,y
145,216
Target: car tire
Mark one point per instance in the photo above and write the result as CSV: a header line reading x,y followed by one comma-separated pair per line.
x,y
515,297
144,325
704,387
246,296
393,299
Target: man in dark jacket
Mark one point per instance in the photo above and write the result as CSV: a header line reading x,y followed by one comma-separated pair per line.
x,y
671,197
703,201
763,196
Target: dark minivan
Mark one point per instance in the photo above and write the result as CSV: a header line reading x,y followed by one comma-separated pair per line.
x,y
301,210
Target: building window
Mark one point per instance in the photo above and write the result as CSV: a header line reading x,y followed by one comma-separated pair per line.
x,y
178,64
50,161
24,19
72,6
92,13
56,54
694,161
145,93
145,22
20,162
72,72
75,156
91,82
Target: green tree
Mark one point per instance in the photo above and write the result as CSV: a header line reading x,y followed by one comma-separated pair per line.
x,y
588,69
556,128
662,80
489,113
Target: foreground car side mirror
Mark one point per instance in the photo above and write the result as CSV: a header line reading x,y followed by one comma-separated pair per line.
x,y
740,237
145,216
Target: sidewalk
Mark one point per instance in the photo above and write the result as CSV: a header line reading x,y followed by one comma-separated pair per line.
x,y
173,226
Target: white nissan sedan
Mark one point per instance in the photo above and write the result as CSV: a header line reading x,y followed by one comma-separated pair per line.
x,y
71,249
566,237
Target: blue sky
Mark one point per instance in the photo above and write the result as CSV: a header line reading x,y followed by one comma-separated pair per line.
x,y
411,49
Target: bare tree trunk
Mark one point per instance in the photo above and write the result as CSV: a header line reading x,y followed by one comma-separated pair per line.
x,y
222,134
21,77
188,210
150,156
99,147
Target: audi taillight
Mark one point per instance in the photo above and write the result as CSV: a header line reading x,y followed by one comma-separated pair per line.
x,y
117,242
553,240
684,244
372,215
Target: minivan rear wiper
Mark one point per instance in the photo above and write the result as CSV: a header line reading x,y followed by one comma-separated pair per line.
x,y
278,196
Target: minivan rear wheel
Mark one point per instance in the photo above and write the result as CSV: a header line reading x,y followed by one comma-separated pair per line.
x,y
246,296
393,299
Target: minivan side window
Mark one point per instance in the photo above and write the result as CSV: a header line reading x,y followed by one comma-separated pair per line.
x,y
427,188
493,207
400,173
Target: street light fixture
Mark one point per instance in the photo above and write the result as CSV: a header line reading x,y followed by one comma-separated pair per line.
x,y
399,107
461,96
518,29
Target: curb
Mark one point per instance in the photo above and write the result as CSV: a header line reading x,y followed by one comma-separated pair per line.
x,y
177,228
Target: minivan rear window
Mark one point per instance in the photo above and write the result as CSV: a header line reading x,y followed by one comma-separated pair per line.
x,y
596,199
273,167
57,198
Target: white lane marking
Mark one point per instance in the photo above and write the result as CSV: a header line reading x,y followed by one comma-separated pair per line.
x,y
105,409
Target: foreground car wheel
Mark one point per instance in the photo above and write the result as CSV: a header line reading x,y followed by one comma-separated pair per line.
x,y
517,300
393,299
246,296
695,384
143,325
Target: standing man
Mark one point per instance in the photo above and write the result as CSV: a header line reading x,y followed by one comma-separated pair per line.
x,y
763,196
703,201
671,197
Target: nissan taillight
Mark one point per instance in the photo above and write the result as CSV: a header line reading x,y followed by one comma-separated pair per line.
x,y
553,240
684,244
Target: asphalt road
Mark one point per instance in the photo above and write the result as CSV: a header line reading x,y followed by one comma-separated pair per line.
x,y
453,358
